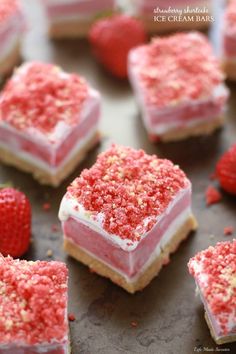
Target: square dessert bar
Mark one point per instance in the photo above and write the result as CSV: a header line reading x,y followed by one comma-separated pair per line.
x,y
33,307
229,40
126,214
179,86
48,121
73,18
214,270
170,15
12,25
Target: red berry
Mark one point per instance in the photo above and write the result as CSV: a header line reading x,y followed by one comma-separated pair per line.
x,y
228,230
226,170
15,222
212,195
112,38
46,206
71,317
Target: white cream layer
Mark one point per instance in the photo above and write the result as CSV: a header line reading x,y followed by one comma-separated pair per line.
x,y
71,208
166,238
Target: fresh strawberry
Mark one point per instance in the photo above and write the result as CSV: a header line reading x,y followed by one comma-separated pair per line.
x,y
15,222
112,38
226,170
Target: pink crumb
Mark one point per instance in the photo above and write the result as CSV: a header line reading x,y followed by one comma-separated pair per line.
x,y
71,317
134,324
212,195
228,230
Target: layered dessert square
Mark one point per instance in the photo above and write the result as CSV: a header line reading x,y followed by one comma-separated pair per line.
x,y
125,215
33,307
229,40
12,25
214,271
171,15
73,18
179,86
48,121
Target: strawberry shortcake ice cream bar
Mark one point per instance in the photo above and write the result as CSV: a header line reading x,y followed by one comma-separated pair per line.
x,y
73,18
125,216
214,271
179,86
48,121
33,307
12,26
168,15
229,41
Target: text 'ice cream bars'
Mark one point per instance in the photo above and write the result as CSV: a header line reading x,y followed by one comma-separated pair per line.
x,y
33,307
125,215
48,121
73,18
172,15
214,271
179,85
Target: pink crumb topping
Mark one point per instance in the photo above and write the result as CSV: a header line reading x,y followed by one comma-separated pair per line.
x,y
129,188
230,16
8,8
215,273
33,301
40,95
178,68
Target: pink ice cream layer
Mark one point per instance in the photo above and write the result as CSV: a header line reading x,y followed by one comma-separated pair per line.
x,y
128,262
81,7
145,7
53,153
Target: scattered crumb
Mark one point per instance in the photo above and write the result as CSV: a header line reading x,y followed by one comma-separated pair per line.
x,y
134,324
212,195
213,176
54,228
71,317
46,206
228,230
49,253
